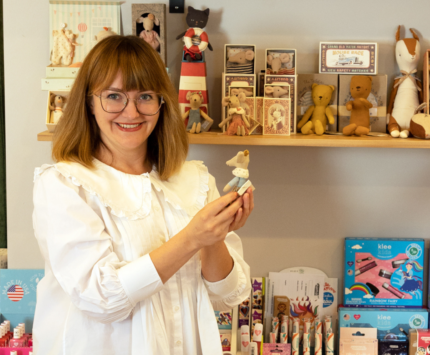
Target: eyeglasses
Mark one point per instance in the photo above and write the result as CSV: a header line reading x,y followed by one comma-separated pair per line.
x,y
115,101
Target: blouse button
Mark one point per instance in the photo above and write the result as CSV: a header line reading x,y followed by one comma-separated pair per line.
x,y
157,209
176,308
178,342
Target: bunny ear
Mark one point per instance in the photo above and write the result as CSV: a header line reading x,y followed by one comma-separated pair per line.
x,y
398,34
249,55
157,21
269,90
414,34
225,101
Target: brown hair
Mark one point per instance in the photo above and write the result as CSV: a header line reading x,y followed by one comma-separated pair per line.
x,y
77,136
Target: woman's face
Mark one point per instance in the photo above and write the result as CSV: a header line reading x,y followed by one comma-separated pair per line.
x,y
119,138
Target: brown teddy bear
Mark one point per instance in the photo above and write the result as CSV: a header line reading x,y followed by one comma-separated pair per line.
x,y
321,96
195,114
359,123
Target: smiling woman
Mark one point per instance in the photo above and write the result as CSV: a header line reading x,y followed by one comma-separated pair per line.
x,y
139,247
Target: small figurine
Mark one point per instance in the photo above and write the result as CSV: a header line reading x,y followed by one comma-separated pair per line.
x,y
276,64
56,107
359,123
195,39
148,34
240,182
237,115
278,120
407,91
105,33
195,113
319,111
242,98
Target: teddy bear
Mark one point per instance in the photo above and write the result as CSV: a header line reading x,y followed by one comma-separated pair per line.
x,y
321,96
239,121
148,34
359,123
56,107
195,114
105,33
63,48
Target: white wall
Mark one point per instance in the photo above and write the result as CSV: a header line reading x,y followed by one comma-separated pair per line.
x,y
307,199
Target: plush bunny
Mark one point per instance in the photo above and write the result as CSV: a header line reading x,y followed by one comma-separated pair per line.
x,y
195,114
239,121
278,92
56,107
148,34
407,90
276,63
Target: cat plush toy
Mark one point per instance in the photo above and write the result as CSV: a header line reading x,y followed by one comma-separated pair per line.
x,y
195,39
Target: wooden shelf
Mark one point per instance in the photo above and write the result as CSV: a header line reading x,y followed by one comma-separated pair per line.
x,y
296,140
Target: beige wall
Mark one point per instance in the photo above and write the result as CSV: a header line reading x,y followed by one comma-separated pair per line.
x,y
307,199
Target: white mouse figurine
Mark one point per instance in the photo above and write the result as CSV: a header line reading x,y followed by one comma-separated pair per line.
x,y
240,182
407,91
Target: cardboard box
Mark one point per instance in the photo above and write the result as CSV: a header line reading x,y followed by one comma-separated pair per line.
x,y
394,322
378,97
18,295
49,124
291,80
358,341
419,341
57,84
276,66
141,11
304,94
238,59
383,272
348,58
86,20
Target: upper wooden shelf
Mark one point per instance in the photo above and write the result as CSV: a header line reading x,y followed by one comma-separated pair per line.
x,y
297,140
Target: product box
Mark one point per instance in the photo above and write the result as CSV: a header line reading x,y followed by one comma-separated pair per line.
x,y
393,347
18,295
49,119
392,324
419,341
358,341
141,17
74,28
348,58
377,97
270,349
57,84
304,95
281,61
223,319
383,272
291,81
225,341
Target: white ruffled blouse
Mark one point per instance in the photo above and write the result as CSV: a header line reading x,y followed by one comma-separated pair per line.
x,y
101,294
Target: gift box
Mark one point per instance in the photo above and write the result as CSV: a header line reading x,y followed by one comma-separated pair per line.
x,y
74,28
57,84
377,97
50,113
304,95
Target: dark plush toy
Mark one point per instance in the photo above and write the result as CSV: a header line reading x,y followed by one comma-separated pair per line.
x,y
195,39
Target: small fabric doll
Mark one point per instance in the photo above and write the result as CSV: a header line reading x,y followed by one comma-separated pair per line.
x,y
237,115
148,34
241,173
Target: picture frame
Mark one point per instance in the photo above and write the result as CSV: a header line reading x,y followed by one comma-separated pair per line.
x,y
238,58
139,15
276,117
281,61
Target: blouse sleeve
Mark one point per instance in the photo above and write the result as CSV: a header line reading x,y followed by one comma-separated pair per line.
x,y
79,251
236,287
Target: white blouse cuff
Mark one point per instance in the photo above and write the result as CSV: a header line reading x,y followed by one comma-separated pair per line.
x,y
226,286
140,279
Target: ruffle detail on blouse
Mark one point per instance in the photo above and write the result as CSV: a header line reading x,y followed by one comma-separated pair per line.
x,y
186,190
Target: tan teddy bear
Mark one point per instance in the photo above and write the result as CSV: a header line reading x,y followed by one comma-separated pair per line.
x,y
359,123
321,96
63,49
195,114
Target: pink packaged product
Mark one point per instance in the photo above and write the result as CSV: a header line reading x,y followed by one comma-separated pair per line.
x,y
270,349
358,341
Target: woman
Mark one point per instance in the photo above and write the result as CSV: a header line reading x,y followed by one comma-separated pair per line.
x,y
136,241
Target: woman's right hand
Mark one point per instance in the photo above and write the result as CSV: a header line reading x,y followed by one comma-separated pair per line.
x,y
211,224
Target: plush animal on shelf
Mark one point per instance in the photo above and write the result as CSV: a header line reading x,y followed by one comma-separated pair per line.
x,y
195,114
242,94
196,40
242,57
320,112
420,123
236,117
148,34
240,182
63,48
406,95
56,107
359,123
279,62
105,33
278,92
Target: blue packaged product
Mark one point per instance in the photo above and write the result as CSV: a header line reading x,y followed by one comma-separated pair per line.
x,y
392,323
383,272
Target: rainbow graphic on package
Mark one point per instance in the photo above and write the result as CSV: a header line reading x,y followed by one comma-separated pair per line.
x,y
383,272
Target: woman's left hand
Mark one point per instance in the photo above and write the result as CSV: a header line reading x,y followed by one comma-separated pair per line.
x,y
243,212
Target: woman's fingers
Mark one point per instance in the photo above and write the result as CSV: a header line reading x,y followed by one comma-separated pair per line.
x,y
217,206
230,211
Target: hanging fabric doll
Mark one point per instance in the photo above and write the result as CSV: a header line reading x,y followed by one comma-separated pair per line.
x,y
148,34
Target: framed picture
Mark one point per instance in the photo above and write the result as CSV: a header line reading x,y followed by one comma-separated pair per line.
x,y
280,61
276,117
239,59
149,23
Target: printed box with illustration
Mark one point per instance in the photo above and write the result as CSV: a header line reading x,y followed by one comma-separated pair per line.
x,y
391,323
383,272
